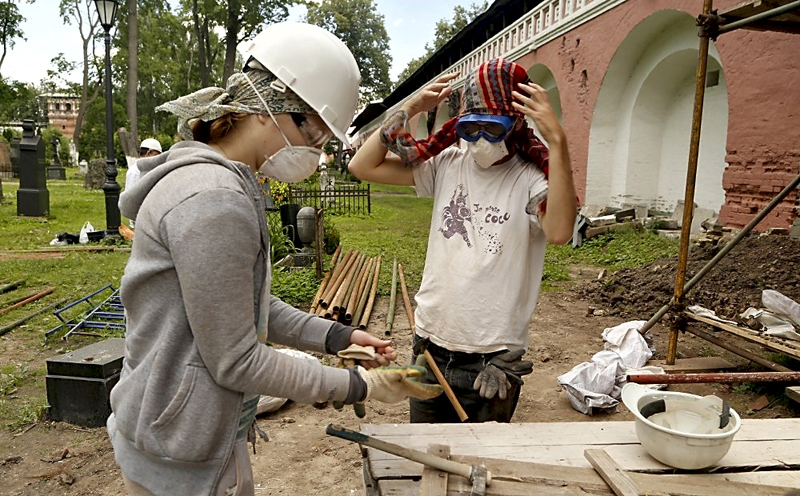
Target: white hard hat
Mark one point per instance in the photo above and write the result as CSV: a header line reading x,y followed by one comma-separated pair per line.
x,y
151,144
316,65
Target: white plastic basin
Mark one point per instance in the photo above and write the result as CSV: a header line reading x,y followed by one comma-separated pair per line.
x,y
686,434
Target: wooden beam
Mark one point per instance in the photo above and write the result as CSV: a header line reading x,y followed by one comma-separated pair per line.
x,y
793,393
698,364
774,344
613,474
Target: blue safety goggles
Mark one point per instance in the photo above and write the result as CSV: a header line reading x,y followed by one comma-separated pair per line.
x,y
492,128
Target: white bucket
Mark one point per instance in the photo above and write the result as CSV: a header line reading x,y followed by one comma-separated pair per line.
x,y
685,432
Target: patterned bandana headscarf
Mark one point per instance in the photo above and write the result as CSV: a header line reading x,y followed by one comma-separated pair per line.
x,y
208,104
487,90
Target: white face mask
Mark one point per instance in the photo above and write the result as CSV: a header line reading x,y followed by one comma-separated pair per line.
x,y
291,163
485,154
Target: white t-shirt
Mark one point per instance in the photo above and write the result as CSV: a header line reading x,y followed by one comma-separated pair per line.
x,y
485,253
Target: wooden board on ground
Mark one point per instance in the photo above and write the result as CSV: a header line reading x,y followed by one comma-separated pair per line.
x,y
763,452
786,346
698,364
793,393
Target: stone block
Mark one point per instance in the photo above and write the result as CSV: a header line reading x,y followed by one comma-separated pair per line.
x,y
79,383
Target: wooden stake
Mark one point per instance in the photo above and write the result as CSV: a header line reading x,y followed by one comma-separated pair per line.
x,y
8,287
330,292
324,284
348,295
365,318
339,296
355,296
28,300
392,300
406,299
13,325
362,301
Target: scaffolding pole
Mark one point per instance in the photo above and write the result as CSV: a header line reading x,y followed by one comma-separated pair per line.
x,y
691,178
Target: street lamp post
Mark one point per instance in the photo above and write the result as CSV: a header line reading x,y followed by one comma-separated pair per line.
x,y
106,11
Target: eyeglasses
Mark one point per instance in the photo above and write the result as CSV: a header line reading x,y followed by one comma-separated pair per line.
x,y
314,136
492,128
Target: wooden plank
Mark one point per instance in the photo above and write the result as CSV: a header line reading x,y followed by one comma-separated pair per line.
x,y
697,364
399,487
775,344
613,474
554,433
434,482
793,393
519,478
766,455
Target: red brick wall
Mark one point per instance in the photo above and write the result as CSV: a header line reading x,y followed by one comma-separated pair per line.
x,y
762,72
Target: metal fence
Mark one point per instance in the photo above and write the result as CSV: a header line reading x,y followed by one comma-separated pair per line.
x,y
342,199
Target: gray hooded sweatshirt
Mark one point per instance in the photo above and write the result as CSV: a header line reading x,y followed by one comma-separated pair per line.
x,y
192,291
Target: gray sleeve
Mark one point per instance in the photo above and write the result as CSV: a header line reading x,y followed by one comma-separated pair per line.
x,y
214,239
292,327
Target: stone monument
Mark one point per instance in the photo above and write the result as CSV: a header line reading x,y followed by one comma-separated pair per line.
x,y
55,170
33,199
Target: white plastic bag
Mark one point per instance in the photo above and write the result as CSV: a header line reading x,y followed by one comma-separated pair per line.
x,y
83,238
781,305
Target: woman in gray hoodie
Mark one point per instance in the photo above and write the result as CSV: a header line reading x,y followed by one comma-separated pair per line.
x,y
196,287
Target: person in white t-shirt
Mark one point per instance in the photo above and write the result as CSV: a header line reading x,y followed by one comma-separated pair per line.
x,y
150,147
498,199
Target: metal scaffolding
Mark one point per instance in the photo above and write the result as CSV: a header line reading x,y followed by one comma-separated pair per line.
x,y
761,15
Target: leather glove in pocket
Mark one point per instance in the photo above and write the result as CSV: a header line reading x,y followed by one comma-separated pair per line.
x,y
496,376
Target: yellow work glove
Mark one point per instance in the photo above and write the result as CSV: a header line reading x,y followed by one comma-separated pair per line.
x,y
395,383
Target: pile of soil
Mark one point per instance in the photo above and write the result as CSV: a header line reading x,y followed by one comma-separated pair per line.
x,y
755,264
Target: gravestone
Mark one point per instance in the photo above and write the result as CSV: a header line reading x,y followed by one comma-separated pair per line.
x,y
96,174
33,199
55,170
79,383
15,157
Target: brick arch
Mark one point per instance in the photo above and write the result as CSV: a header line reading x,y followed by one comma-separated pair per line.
x,y
640,127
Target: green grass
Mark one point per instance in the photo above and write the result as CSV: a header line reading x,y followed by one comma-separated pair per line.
x,y
629,248
391,189
398,227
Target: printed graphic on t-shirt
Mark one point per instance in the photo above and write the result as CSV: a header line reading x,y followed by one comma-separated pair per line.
x,y
455,214
487,221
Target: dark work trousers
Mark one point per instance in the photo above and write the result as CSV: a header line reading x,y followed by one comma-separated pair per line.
x,y
460,370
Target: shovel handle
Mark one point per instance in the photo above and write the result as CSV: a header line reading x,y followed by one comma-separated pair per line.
x,y
426,459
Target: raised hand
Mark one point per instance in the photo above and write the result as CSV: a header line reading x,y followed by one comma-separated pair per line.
x,y
430,96
536,105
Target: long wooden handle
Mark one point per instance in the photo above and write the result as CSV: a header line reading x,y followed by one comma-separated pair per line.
x,y
447,390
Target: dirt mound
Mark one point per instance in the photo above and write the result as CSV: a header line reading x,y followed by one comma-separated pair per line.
x,y
757,263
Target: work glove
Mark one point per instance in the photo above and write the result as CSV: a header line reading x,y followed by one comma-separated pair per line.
x,y
496,376
348,358
395,383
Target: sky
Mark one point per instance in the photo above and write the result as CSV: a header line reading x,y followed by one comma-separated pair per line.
x,y
409,23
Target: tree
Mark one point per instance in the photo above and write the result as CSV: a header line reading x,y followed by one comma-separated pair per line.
x,y
84,14
245,17
20,101
204,14
445,30
133,74
10,21
362,28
